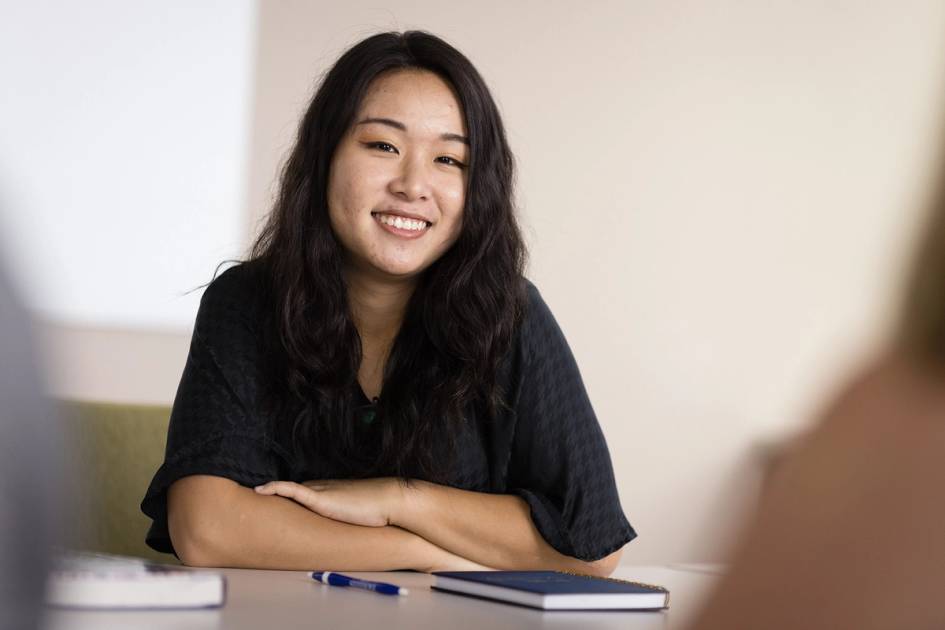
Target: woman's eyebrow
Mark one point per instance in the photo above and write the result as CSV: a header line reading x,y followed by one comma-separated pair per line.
x,y
396,124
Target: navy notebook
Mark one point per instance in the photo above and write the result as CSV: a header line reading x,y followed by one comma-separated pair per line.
x,y
551,590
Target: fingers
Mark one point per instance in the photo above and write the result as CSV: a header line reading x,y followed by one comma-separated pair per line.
x,y
302,495
287,489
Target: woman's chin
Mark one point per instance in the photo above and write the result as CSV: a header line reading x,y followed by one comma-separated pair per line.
x,y
399,270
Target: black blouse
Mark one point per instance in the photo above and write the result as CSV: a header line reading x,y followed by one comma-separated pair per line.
x,y
546,447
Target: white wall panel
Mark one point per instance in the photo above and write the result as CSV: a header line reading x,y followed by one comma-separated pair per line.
x,y
124,133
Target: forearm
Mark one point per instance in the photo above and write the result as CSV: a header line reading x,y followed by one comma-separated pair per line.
x,y
492,529
216,522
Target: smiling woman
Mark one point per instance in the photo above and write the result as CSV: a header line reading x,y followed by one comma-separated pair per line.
x,y
404,161
378,386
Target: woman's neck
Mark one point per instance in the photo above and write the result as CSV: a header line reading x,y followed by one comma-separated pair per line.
x,y
377,307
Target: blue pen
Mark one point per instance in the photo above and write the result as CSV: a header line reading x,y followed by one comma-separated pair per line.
x,y
336,579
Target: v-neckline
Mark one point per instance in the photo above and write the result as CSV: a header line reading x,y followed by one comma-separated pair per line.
x,y
363,398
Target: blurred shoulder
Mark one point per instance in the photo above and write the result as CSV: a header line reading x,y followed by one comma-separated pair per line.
x,y
895,401
883,437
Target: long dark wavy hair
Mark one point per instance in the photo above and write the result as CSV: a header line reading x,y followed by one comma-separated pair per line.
x,y
460,320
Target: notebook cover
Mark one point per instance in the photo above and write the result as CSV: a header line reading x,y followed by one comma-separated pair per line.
x,y
553,582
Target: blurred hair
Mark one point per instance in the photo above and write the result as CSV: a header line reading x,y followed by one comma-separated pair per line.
x,y
460,320
923,318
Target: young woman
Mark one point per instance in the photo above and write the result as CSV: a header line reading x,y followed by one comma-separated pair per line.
x,y
378,387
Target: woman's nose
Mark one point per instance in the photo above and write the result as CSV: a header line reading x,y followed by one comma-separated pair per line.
x,y
412,182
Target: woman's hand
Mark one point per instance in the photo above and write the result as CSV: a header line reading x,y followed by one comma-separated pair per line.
x,y
368,502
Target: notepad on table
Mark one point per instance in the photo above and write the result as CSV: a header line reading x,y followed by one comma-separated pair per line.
x,y
552,590
87,580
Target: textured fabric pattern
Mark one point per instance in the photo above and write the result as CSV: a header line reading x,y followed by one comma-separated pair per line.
x,y
547,447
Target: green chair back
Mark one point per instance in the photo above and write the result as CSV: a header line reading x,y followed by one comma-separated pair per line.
x,y
114,451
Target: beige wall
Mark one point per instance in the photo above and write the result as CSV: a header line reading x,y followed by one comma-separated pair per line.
x,y
718,198
115,365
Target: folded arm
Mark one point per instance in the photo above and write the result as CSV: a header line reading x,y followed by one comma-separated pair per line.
x,y
214,521
494,530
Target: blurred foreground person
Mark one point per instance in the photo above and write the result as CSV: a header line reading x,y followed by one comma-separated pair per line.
x,y
28,468
850,532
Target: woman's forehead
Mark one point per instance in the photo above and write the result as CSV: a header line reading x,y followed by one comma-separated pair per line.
x,y
419,99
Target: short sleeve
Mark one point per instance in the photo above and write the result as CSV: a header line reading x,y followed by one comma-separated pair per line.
x,y
559,462
216,427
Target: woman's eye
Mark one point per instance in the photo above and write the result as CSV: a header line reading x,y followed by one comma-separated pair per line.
x,y
381,146
445,159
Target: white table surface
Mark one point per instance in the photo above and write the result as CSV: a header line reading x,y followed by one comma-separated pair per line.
x,y
284,600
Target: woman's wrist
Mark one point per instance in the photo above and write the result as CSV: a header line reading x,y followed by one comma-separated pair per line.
x,y
406,503
428,557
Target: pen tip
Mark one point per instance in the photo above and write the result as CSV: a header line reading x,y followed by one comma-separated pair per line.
x,y
403,591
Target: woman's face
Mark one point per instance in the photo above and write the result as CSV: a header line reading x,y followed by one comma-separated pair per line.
x,y
398,177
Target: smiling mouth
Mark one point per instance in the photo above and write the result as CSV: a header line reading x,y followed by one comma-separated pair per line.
x,y
401,224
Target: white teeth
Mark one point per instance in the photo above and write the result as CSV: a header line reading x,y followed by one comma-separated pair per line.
x,y
402,223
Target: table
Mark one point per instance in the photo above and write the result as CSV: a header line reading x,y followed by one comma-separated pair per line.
x,y
286,600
